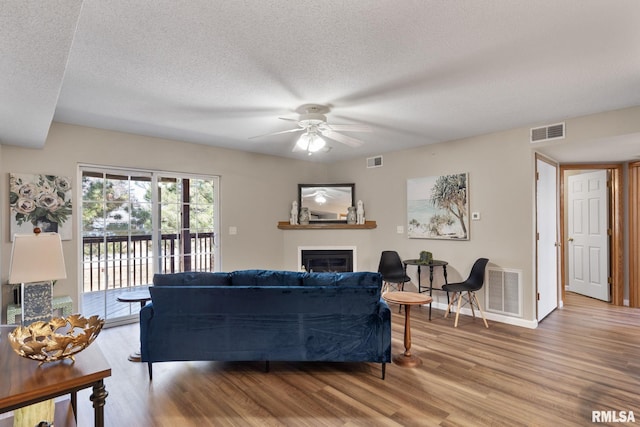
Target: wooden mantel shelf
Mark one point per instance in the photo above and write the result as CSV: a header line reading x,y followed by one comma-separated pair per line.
x,y
284,225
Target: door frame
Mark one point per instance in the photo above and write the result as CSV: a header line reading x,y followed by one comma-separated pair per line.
x,y
589,233
542,158
634,234
616,239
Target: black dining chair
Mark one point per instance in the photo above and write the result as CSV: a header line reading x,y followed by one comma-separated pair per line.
x,y
473,284
392,270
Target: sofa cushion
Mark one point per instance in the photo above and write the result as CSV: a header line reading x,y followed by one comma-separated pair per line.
x,y
266,278
192,278
362,278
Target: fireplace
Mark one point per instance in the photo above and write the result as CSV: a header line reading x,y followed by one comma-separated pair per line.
x,y
335,259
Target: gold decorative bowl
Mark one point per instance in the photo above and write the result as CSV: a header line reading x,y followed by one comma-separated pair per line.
x,y
58,339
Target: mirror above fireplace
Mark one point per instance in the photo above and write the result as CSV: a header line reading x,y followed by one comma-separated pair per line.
x,y
326,202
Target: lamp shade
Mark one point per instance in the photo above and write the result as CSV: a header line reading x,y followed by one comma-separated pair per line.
x,y
37,258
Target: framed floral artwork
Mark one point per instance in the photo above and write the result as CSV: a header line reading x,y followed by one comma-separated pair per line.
x,y
438,207
40,201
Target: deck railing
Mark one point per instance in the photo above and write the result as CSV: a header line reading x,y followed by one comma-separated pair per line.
x,y
116,262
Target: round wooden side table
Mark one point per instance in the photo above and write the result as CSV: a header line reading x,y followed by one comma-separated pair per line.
x,y
135,296
407,299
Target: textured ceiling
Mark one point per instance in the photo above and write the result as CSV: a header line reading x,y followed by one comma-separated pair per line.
x,y
218,73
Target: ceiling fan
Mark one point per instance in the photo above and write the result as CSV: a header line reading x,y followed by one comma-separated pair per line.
x,y
312,121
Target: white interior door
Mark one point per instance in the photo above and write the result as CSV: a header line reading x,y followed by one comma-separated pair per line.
x,y
588,245
547,233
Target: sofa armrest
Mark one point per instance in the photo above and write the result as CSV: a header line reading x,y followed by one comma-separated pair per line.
x,y
146,314
383,310
385,320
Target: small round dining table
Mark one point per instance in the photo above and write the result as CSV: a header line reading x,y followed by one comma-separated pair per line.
x,y
431,264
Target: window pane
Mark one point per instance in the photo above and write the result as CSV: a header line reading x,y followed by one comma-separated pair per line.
x,y
201,217
92,188
141,218
170,249
117,188
140,189
92,258
92,219
200,190
169,217
117,217
169,190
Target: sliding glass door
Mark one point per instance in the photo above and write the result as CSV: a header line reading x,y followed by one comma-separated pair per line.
x,y
137,223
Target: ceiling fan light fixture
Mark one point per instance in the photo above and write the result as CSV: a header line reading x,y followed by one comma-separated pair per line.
x,y
316,143
313,128
310,142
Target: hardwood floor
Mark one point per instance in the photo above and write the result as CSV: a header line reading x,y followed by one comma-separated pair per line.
x,y
583,357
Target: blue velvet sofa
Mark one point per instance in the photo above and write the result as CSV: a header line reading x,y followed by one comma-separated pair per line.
x,y
266,315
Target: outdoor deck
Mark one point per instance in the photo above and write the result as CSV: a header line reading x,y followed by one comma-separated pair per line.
x,y
95,303
124,264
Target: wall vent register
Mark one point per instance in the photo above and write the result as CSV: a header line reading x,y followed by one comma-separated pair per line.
x,y
374,162
504,291
548,133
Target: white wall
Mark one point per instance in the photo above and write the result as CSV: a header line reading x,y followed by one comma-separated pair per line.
x,y
500,187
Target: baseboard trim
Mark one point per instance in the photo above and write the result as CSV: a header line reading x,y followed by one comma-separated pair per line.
x,y
516,321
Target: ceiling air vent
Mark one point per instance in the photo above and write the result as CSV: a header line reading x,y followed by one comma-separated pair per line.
x,y
374,162
547,133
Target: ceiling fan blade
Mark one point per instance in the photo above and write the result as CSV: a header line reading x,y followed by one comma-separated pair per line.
x,y
350,128
287,118
347,140
277,133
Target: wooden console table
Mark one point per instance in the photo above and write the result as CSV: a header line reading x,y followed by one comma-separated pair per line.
x,y
24,382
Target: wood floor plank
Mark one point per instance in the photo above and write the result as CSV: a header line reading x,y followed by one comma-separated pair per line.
x,y
583,357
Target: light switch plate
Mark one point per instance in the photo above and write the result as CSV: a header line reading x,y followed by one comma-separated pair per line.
x,y
475,216
400,229
233,230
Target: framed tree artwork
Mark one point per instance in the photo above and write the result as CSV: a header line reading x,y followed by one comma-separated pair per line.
x,y
438,207
42,201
